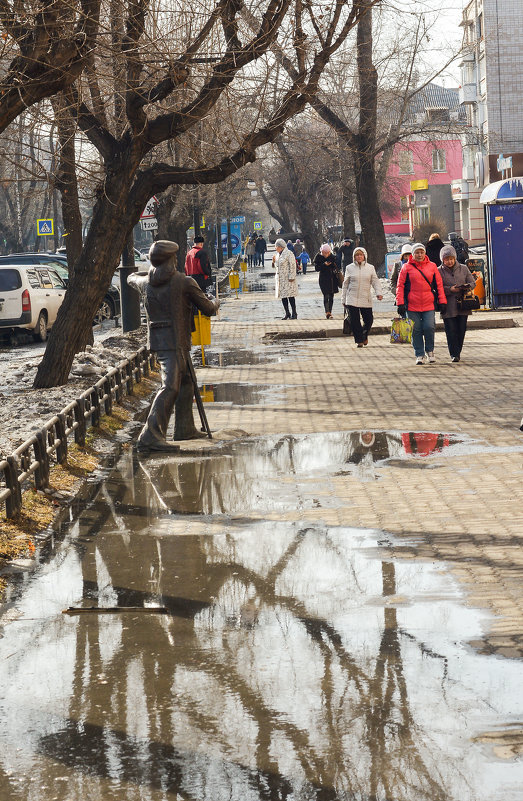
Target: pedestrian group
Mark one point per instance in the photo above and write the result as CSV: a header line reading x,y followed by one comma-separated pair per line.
x,y
426,279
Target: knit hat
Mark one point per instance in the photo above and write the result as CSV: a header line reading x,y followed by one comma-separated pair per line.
x,y
406,249
280,243
447,250
419,246
325,248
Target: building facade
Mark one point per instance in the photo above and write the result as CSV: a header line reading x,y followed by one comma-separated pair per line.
x,y
418,187
491,93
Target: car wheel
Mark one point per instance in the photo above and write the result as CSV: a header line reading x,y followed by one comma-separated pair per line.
x,y
106,311
40,330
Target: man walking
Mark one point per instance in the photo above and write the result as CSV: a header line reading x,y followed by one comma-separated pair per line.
x,y
345,253
197,263
260,249
169,297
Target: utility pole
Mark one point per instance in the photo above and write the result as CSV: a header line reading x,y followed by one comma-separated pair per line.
x,y
229,243
218,225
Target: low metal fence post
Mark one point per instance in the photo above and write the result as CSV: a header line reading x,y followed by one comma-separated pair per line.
x,y
61,448
146,365
119,384
79,416
13,503
108,391
42,457
130,377
95,408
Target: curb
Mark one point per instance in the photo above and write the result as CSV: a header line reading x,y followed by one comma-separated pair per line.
x,y
328,333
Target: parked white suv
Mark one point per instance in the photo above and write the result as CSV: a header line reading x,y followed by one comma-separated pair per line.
x,y
30,296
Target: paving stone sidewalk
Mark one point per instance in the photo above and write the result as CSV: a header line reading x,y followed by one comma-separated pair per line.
x,y
465,509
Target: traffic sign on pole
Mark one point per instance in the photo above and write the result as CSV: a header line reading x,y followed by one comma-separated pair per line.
x,y
45,227
149,224
257,226
150,209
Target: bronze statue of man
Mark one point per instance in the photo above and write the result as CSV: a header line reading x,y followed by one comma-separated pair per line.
x,y
169,297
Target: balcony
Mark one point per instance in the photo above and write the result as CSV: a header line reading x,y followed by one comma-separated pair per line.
x,y
468,93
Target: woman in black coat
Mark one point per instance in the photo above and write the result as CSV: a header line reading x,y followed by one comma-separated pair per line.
x,y
325,265
433,248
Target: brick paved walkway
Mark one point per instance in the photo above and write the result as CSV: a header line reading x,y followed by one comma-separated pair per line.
x,y
465,508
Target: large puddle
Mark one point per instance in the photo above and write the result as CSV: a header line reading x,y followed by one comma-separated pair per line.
x,y
231,357
295,659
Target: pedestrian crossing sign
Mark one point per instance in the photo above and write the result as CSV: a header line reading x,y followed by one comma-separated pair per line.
x,y
45,227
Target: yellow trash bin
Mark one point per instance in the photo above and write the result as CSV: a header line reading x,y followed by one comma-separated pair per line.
x,y
234,280
202,333
243,266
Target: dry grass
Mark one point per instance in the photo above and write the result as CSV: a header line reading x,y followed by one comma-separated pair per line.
x,y
39,509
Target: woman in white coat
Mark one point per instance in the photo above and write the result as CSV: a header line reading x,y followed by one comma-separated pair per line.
x,y
360,276
286,283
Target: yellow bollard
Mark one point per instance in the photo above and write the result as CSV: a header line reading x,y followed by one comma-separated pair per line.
x,y
207,393
234,280
202,333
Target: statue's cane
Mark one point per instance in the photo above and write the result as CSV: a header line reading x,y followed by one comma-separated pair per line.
x,y
198,397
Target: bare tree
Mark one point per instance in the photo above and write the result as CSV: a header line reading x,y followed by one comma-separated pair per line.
x,y
163,99
46,45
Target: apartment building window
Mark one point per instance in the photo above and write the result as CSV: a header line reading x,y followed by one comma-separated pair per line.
x,y
422,215
439,161
406,162
404,207
479,26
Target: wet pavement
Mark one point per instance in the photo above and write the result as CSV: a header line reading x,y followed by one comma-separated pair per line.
x,y
327,609
295,660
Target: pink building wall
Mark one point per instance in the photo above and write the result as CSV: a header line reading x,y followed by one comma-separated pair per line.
x,y
398,185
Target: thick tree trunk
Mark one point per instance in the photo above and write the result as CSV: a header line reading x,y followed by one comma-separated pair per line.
x,y
66,182
110,226
311,235
349,226
173,226
372,229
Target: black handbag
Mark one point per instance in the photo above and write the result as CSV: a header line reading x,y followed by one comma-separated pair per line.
x,y
468,301
339,277
347,328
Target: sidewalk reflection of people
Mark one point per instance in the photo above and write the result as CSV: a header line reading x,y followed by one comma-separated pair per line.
x,y
424,443
169,297
376,444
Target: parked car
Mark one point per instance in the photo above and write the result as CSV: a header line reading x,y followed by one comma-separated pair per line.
x,y
30,296
139,255
110,306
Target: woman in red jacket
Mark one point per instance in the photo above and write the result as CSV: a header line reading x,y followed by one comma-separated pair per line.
x,y
420,291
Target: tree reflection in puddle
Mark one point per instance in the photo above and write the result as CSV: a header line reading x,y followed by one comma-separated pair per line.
x,y
298,660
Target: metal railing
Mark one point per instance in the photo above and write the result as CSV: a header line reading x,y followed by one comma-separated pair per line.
x,y
34,457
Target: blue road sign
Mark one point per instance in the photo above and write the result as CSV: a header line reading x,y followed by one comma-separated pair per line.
x,y
45,227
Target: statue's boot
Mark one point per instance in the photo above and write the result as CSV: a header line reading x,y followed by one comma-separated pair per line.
x,y
159,446
184,427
